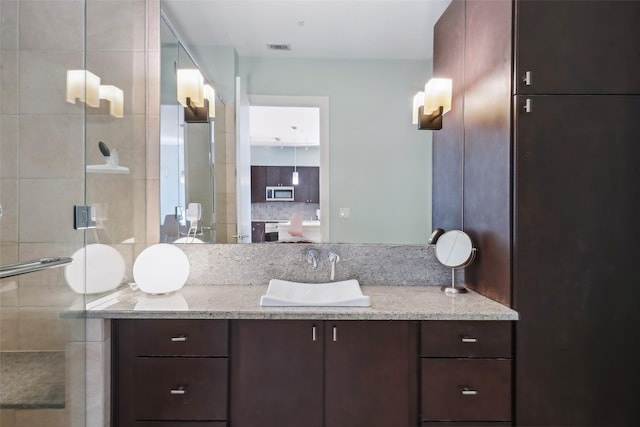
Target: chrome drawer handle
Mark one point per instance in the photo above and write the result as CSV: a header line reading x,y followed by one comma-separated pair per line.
x,y
469,340
179,390
469,392
179,338
313,334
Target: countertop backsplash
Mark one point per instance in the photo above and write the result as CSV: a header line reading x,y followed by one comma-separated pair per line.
x,y
370,264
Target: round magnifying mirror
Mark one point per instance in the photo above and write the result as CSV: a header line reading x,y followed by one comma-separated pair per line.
x,y
454,249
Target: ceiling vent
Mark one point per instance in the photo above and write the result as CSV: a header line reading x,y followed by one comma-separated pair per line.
x,y
279,47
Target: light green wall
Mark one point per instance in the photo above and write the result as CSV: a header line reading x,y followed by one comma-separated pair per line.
x,y
380,164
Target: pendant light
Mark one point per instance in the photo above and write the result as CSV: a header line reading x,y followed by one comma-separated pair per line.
x,y
294,177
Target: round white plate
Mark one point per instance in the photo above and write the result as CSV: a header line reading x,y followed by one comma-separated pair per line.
x,y
160,269
104,269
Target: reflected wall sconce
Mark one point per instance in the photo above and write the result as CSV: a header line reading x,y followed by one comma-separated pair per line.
x,y
191,95
84,86
210,95
429,106
115,96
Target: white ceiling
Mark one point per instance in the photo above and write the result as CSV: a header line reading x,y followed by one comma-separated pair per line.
x,y
393,29
338,29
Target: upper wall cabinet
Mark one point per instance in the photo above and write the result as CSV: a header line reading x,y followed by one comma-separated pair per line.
x,y
577,47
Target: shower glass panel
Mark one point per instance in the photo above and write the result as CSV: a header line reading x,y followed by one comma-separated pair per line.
x,y
42,176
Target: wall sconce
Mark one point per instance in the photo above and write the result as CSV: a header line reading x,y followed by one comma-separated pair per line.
x,y
191,95
429,106
115,96
210,95
84,86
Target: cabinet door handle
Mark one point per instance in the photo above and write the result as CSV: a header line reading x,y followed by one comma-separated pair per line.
x,y
469,340
179,390
527,79
314,336
469,392
335,333
527,105
179,338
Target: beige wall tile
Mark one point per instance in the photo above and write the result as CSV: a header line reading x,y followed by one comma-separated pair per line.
x,y
51,147
8,24
42,417
9,285
8,146
116,25
153,147
7,416
46,210
152,217
8,79
76,383
42,82
36,31
9,320
41,329
9,201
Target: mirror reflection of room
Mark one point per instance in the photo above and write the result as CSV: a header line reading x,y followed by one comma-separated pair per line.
x,y
285,174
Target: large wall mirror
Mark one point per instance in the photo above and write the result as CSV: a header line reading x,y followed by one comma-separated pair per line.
x,y
359,63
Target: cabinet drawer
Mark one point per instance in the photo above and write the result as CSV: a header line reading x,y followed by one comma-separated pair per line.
x,y
466,389
180,424
180,388
180,337
466,339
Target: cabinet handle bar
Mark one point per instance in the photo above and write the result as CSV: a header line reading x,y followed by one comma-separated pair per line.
x,y
313,334
469,392
179,390
469,340
335,333
179,338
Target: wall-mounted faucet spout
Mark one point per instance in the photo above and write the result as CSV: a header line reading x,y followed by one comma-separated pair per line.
x,y
333,258
312,258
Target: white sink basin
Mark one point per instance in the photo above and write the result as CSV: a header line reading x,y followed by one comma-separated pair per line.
x,y
346,293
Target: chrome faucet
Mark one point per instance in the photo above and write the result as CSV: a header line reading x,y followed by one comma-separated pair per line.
x,y
333,258
312,258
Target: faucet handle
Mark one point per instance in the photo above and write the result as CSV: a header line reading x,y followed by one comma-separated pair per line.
x,y
312,257
333,257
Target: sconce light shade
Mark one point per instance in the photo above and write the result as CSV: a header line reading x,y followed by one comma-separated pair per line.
x,y
190,88
437,93
84,86
430,105
295,178
115,96
210,95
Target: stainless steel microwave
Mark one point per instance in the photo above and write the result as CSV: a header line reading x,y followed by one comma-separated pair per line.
x,y
280,194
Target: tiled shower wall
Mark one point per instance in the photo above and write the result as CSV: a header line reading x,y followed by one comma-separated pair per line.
x,y
43,144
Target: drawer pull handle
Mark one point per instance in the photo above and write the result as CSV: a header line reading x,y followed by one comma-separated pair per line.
x,y
469,392
469,340
335,333
179,338
313,334
179,390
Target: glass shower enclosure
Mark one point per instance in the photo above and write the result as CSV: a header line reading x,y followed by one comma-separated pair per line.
x,y
78,105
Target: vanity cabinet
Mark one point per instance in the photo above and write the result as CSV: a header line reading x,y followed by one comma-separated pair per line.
x,y
170,372
465,372
323,373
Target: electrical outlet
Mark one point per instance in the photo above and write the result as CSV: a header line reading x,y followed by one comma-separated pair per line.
x,y
344,213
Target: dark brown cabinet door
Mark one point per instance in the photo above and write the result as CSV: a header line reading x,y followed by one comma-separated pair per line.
x,y
370,374
572,47
257,231
308,189
258,184
576,222
276,373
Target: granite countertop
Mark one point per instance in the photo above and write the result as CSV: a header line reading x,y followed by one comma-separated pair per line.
x,y
243,302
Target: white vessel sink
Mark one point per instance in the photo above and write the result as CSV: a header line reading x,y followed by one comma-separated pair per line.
x,y
346,293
